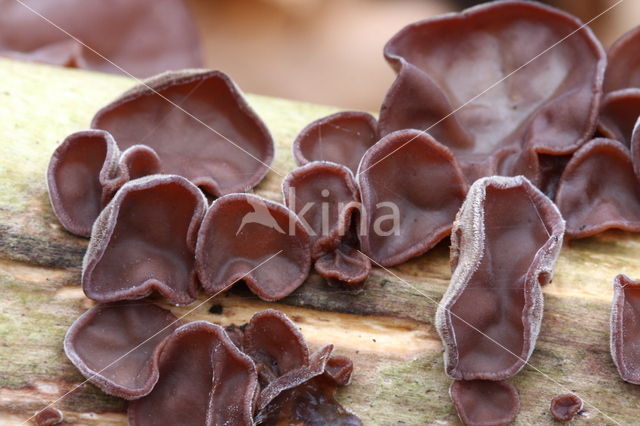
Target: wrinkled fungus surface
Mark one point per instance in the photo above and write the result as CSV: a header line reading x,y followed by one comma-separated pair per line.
x,y
341,138
549,106
296,386
145,240
411,188
83,173
625,328
204,380
485,402
619,112
565,407
213,138
324,196
623,69
504,244
116,345
143,37
599,190
246,237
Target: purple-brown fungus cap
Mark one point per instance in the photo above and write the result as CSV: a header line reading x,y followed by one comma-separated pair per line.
x,y
542,97
564,407
623,69
324,195
246,237
83,173
49,416
145,240
411,188
599,190
618,114
204,380
504,244
485,402
345,266
296,386
341,138
625,328
115,346
199,124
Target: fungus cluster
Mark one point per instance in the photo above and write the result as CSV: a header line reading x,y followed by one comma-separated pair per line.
x,y
152,230
443,158
196,373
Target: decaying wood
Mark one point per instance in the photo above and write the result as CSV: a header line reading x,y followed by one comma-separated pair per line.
x,y
387,329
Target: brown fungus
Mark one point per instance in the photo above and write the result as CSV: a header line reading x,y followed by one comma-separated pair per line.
x,y
83,173
619,112
623,69
49,416
143,37
311,403
246,237
275,344
115,346
485,402
341,138
296,386
344,266
549,106
324,195
204,380
505,241
145,240
564,407
213,138
599,190
411,188
625,328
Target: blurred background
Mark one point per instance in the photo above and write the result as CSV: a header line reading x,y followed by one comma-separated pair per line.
x,y
320,51
330,51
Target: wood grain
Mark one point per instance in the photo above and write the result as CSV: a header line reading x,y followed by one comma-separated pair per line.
x,y
387,328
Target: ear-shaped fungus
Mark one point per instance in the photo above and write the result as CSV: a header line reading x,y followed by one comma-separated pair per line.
x,y
49,416
485,402
143,37
599,190
145,240
84,172
324,195
116,345
246,237
212,137
549,106
411,189
619,112
344,266
565,407
341,138
623,69
504,243
296,387
625,328
275,344
204,380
